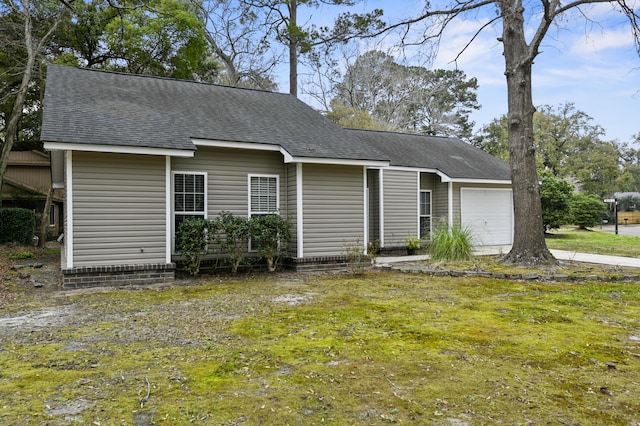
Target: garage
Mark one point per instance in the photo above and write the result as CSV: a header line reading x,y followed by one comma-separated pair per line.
x,y
488,213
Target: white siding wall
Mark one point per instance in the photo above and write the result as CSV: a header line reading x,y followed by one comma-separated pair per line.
x,y
118,209
333,208
400,206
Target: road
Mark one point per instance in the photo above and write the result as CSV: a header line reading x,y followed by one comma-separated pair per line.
x,y
631,230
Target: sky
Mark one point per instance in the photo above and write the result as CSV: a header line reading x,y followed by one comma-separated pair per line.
x,y
590,63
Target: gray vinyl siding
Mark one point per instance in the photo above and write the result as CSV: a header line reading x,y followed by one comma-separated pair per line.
x,y
118,209
400,206
227,176
333,198
440,203
373,184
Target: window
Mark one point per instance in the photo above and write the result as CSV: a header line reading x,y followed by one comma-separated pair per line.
x,y
425,215
189,196
52,215
263,195
263,198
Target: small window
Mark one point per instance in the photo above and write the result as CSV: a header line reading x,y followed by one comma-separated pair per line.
x,y
52,215
425,215
189,197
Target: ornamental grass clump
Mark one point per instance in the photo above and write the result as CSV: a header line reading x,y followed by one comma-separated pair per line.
x,y
451,243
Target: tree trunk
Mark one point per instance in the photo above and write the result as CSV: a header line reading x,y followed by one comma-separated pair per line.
x,y
44,221
529,246
293,48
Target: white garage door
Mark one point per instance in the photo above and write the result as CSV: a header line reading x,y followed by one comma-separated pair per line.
x,y
489,215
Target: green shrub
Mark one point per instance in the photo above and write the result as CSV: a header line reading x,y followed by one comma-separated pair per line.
x,y
451,244
233,237
270,237
555,197
17,225
191,242
587,210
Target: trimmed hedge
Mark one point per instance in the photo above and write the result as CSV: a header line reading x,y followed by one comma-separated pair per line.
x,y
17,225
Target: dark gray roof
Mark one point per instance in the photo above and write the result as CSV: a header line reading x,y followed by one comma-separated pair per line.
x,y
454,157
104,108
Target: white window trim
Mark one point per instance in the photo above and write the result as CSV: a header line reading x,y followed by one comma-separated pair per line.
x,y
52,215
252,175
430,215
173,204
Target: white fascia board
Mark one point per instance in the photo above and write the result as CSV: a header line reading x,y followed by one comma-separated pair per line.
x,y
339,161
244,145
444,177
288,158
117,149
487,181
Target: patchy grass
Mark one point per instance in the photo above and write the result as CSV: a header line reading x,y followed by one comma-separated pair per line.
x,y
593,241
377,349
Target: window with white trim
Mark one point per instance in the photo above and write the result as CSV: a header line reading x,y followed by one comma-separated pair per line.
x,y
189,197
52,215
264,197
425,215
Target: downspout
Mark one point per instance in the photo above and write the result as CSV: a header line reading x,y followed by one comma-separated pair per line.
x,y
366,209
299,212
450,205
68,237
167,207
381,206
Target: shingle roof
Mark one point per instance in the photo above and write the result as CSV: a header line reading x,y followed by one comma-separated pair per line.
x,y
104,108
454,157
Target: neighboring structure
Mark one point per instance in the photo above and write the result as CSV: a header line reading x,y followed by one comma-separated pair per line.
x,y
26,183
137,154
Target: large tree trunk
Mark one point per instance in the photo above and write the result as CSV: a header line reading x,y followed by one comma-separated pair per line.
x,y
293,48
529,246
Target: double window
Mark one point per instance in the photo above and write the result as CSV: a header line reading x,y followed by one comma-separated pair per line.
x,y
189,196
425,215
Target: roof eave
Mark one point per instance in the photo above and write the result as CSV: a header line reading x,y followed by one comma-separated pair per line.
x,y
117,149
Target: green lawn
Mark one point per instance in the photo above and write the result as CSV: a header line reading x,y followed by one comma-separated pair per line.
x,y
378,349
593,241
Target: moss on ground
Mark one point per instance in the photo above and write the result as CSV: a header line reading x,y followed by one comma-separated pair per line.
x,y
376,349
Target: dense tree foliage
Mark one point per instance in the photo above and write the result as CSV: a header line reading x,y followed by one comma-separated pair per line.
x,y
569,146
555,194
587,211
409,98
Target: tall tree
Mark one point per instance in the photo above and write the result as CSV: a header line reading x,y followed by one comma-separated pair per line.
x,y
235,33
154,37
282,21
27,27
523,32
409,98
567,144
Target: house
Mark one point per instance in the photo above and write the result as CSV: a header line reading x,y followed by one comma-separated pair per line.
x,y
137,154
26,183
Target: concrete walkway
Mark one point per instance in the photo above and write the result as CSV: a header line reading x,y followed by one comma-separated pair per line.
x,y
631,262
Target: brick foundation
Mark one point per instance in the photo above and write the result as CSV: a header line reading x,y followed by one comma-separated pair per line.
x,y
117,275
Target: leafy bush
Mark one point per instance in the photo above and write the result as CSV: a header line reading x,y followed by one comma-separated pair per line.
x,y
271,235
451,244
17,225
233,237
586,210
357,260
191,242
555,196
